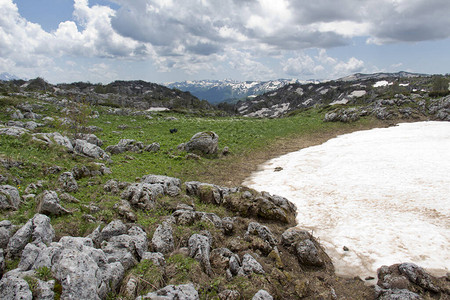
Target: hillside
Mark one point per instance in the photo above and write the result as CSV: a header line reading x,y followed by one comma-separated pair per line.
x,y
384,95
124,94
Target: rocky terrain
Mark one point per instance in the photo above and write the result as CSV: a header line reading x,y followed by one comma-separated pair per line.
x,y
77,224
384,96
136,94
216,91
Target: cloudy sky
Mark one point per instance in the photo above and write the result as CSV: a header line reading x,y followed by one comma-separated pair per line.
x,y
176,40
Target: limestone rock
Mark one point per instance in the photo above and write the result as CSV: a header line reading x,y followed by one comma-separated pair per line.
x,y
229,295
68,182
205,142
2,263
418,276
156,257
154,147
263,232
37,229
142,195
199,249
262,295
49,204
13,131
170,185
9,197
114,228
90,150
251,265
6,229
308,254
90,138
14,288
125,210
163,238
173,292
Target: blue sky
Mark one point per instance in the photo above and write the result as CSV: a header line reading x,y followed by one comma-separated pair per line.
x,y
176,40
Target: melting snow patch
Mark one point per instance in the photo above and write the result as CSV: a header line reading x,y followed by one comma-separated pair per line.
x,y
382,193
403,84
382,83
299,91
358,93
157,109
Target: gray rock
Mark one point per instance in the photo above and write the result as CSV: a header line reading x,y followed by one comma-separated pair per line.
x,y
199,249
156,257
68,182
143,195
90,138
2,263
398,294
6,230
13,131
308,254
17,114
44,290
228,225
251,265
292,236
229,295
14,288
54,137
48,203
114,228
90,150
263,232
235,264
154,147
262,295
125,210
220,258
205,142
112,186
163,238
171,185
418,276
9,197
37,229
173,292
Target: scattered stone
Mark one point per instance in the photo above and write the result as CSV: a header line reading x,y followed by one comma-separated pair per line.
x,y
170,185
9,197
156,257
278,169
154,147
90,138
229,295
48,203
6,230
90,150
199,249
308,254
192,156
68,182
251,265
143,195
13,131
68,198
125,210
173,292
263,232
163,238
345,248
226,151
262,295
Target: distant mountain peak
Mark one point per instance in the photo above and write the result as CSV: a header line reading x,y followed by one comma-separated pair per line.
x,y
6,76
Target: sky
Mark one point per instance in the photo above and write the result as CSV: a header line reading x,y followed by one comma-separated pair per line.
x,y
175,40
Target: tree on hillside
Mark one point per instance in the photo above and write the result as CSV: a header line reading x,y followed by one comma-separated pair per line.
x,y
440,86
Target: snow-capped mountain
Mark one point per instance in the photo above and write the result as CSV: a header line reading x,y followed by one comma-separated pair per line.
x,y
216,91
6,76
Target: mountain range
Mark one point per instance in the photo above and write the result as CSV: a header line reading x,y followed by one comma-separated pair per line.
x,y
216,91
6,76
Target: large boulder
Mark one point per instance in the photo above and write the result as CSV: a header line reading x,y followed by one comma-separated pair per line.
x,y
9,197
14,287
170,185
54,137
6,230
205,142
262,295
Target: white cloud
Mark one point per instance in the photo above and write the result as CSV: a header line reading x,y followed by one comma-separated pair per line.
x,y
353,65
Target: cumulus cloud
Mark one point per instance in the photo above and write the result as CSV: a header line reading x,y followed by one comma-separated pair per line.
x,y
304,64
194,35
